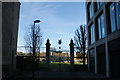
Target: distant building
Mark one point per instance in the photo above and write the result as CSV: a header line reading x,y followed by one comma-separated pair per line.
x,y
103,25
10,20
56,55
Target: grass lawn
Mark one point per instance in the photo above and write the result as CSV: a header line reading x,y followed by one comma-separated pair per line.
x,y
56,64
59,63
64,66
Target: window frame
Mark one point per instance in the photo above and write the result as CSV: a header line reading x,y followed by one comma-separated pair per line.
x,y
112,28
90,10
117,14
92,33
99,5
100,26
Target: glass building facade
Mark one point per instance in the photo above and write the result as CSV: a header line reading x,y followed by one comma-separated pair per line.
x,y
103,38
91,10
112,17
114,10
99,4
118,15
92,31
101,28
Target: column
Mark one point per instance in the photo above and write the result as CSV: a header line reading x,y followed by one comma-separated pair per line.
x,y
0,40
95,50
47,52
107,30
71,52
107,59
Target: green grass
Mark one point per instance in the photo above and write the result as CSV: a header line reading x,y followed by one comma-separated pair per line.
x,y
56,63
53,64
59,63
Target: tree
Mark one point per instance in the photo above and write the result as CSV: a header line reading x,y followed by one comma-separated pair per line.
x,y
33,39
80,39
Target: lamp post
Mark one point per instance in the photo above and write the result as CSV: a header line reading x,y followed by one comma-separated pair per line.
x,y
34,51
59,42
34,36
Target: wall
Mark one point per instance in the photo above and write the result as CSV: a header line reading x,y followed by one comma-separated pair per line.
x,y
10,20
114,52
0,40
101,62
15,32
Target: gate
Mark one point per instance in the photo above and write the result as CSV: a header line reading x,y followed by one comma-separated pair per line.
x,y
58,59
53,60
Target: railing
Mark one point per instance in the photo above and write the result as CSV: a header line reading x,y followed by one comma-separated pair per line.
x,y
47,58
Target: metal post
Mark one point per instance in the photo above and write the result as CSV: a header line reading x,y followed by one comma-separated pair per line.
x,y
33,58
34,47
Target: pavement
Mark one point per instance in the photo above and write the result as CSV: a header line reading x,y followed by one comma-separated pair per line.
x,y
45,75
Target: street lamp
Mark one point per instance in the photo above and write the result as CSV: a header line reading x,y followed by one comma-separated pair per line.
x,y
34,35
36,21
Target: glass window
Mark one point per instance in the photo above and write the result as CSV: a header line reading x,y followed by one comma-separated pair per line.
x,y
101,28
99,4
92,34
118,15
90,10
112,17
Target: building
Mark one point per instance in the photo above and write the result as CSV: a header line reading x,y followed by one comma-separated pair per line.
x,y
103,25
0,40
9,11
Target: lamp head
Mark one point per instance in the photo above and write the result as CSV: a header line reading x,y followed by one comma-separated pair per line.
x,y
36,21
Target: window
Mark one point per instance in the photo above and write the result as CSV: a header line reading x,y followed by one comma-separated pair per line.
x,y
99,4
90,10
118,15
101,28
92,38
112,17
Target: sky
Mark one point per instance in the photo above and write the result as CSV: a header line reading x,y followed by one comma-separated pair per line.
x,y
59,20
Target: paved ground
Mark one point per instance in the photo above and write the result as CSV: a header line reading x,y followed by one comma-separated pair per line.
x,y
57,76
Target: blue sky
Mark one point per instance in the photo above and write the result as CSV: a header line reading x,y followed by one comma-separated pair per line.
x,y
59,20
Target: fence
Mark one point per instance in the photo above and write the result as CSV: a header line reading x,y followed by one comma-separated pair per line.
x,y
49,55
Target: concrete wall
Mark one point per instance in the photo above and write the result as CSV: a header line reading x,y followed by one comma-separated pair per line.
x,y
10,20
15,32
0,40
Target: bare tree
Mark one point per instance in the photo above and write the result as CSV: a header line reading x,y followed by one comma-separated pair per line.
x,y
80,39
33,39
